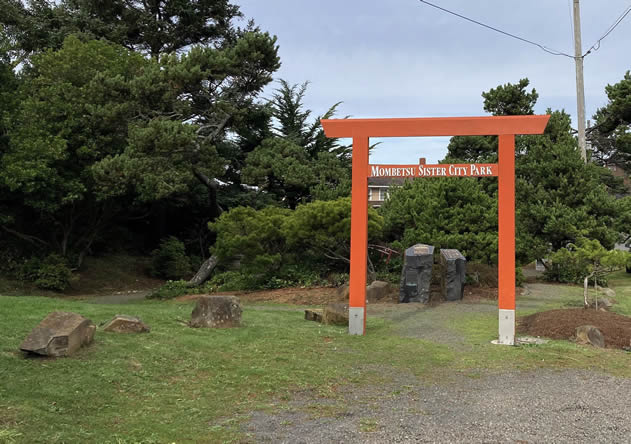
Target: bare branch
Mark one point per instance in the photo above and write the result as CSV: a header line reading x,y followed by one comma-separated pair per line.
x,y
34,240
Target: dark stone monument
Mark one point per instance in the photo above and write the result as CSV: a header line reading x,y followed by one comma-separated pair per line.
x,y
416,275
454,267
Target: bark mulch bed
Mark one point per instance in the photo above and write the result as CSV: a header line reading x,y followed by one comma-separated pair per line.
x,y
562,324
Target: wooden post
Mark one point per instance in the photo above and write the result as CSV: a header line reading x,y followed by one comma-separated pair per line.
x,y
580,88
359,238
506,241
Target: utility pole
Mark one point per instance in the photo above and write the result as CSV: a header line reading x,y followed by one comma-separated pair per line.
x,y
580,88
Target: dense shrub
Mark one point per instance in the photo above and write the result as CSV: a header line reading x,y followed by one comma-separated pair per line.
x,y
53,273
170,261
29,270
565,272
337,279
236,281
587,258
519,277
444,212
257,236
171,289
280,247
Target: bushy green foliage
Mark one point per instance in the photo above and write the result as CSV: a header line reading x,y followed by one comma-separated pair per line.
x,y
321,229
74,107
53,273
171,290
97,130
444,212
48,273
587,258
29,270
256,237
610,136
295,247
559,197
298,163
519,277
170,261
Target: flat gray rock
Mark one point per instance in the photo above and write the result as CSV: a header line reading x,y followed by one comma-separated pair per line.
x,y
126,324
59,334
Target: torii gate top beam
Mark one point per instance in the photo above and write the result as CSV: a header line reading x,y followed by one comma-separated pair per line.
x,y
435,126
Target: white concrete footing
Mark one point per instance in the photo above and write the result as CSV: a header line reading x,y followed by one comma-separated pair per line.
x,y
507,327
356,320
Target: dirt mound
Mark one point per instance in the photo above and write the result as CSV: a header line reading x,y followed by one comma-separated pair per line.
x,y
561,324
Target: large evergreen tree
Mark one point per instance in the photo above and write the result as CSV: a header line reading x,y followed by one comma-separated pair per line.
x,y
153,27
610,137
558,197
297,162
73,112
173,128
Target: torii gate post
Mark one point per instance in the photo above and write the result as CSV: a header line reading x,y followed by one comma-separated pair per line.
x,y
506,127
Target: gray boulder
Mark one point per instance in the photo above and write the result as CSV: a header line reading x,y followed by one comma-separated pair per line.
x,y
588,334
313,314
605,302
343,291
59,334
126,324
607,292
335,314
216,312
375,292
379,291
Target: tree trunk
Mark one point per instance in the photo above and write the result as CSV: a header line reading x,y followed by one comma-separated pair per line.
x,y
211,185
585,283
372,274
215,211
204,271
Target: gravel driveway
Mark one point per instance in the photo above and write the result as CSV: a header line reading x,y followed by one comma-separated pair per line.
x,y
473,407
516,407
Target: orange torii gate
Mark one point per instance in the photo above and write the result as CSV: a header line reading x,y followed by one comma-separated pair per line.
x,y
361,130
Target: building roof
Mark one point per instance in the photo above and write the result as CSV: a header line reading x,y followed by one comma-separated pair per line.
x,y
386,181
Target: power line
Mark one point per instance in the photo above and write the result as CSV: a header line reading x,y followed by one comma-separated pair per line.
x,y
545,48
596,46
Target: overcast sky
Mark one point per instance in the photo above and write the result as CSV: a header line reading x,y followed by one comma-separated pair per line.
x,y
402,58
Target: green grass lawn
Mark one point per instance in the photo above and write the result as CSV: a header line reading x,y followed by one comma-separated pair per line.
x,y
621,282
178,384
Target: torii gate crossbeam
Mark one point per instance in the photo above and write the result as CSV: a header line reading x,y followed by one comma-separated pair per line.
x,y
506,127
